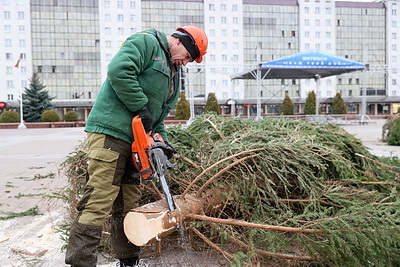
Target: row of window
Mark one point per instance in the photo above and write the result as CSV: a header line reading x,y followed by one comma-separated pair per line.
x,y
8,43
120,17
224,20
7,28
7,15
317,10
223,7
120,4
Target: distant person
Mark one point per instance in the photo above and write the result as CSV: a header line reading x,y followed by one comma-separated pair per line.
x,y
141,80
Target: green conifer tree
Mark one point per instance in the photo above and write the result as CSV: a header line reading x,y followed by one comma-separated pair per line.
x,y
338,105
287,106
35,100
182,111
309,106
212,104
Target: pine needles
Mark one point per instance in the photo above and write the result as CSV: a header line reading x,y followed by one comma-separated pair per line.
x,y
297,174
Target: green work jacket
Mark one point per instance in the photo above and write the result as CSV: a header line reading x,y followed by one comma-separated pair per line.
x,y
139,76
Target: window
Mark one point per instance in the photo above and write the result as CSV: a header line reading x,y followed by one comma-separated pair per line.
x,y
212,20
7,42
235,33
394,47
7,28
108,44
328,22
10,97
107,17
21,15
133,18
306,34
317,35
21,43
10,84
317,10
328,10
317,22
234,8
8,56
107,4
394,35
224,57
107,30
211,7
120,17
328,47
223,7
132,4
21,28
235,57
223,20
212,57
9,70
97,43
53,69
213,82
120,4
120,31
223,32
306,22
212,32
394,82
7,15
224,45
328,35
23,56
39,68
235,45
306,9
235,20
212,45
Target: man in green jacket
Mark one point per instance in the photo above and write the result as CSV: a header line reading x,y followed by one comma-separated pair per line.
x,y
141,80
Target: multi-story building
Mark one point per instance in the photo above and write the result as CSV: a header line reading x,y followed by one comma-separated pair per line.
x,y
70,43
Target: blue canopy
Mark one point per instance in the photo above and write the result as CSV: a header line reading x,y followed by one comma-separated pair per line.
x,y
304,65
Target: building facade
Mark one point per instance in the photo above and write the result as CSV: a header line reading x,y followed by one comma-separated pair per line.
x,y
70,44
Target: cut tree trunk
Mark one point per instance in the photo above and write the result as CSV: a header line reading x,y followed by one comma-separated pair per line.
x,y
154,220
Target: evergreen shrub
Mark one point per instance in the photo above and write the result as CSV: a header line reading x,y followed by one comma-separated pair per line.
x,y
50,116
287,106
182,108
393,137
212,104
9,116
71,115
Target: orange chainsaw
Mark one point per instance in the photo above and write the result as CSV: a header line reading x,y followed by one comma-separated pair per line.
x,y
149,158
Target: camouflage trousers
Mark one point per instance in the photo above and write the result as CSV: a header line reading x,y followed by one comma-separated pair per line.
x,y
111,189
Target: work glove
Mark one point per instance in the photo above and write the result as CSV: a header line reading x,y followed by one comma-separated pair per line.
x,y
169,150
147,119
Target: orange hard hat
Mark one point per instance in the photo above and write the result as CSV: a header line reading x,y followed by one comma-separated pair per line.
x,y
200,39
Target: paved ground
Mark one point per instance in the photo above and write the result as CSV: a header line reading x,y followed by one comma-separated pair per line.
x,y
29,162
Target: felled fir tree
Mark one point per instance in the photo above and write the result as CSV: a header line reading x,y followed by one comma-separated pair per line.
x,y
35,100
